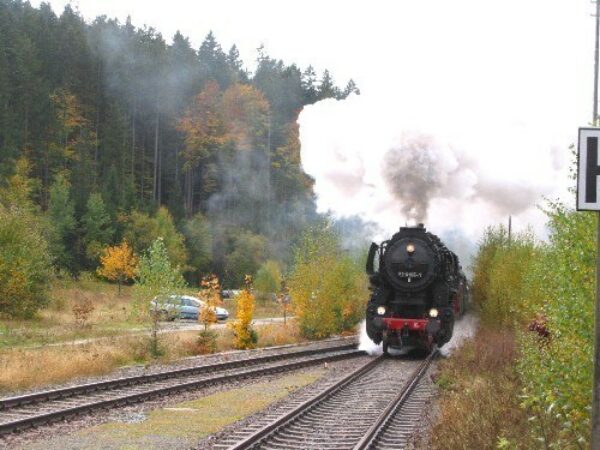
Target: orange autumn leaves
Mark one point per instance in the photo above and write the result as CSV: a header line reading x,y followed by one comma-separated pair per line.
x,y
239,115
118,263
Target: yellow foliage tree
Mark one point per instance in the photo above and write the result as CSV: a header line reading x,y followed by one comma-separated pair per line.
x,y
328,289
245,336
118,263
211,294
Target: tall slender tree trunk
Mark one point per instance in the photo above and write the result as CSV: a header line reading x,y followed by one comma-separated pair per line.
x,y
142,172
96,149
98,101
133,115
155,194
160,164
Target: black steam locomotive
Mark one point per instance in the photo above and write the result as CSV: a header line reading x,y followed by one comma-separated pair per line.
x,y
418,289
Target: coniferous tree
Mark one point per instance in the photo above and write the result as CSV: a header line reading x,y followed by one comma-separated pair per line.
x,y
62,225
96,228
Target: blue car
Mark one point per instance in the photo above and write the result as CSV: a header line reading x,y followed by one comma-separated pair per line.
x,y
173,307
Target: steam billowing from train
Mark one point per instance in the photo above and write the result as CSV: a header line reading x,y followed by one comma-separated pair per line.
x,y
457,177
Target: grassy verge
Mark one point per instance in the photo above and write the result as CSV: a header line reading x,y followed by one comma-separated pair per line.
x,y
479,404
182,425
112,315
26,368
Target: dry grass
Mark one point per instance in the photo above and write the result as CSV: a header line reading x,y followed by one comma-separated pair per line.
x,y
35,367
26,361
112,314
279,334
479,405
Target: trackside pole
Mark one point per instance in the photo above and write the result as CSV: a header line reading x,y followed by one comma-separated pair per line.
x,y
595,441
595,438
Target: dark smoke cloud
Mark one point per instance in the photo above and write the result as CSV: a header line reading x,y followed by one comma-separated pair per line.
x,y
419,170
414,175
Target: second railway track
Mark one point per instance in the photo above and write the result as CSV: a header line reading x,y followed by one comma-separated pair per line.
x,y
22,412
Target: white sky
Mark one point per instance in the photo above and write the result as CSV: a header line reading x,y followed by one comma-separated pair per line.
x,y
504,84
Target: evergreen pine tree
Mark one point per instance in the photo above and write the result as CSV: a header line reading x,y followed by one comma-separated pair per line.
x,y
62,225
96,228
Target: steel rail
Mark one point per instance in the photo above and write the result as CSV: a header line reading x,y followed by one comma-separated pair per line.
x,y
63,393
389,412
54,416
255,438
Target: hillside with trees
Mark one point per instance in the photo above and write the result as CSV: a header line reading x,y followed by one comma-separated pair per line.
x,y
111,133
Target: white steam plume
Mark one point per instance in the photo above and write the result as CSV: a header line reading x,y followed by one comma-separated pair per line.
x,y
458,175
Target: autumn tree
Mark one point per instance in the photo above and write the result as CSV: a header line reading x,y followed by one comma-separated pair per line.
x,y
245,336
118,263
205,132
19,187
210,293
328,288
246,113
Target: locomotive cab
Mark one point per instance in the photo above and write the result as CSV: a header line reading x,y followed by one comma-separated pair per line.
x,y
417,290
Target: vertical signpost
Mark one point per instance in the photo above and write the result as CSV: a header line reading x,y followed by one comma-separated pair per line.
x,y
588,199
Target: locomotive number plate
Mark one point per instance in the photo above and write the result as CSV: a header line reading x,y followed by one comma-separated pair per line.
x,y
410,274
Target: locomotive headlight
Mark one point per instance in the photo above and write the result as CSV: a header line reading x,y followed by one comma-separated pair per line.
x,y
381,310
433,312
410,249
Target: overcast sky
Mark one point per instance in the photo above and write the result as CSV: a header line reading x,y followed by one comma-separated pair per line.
x,y
494,90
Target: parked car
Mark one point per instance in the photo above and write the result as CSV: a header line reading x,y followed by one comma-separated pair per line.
x,y
173,307
230,293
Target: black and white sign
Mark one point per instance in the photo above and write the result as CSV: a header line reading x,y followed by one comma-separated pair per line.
x,y
588,173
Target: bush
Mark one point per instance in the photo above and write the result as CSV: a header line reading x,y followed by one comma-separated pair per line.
x,y
557,369
268,279
547,291
328,289
25,264
206,342
499,272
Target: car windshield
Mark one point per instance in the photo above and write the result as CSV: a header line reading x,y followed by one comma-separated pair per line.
x,y
193,301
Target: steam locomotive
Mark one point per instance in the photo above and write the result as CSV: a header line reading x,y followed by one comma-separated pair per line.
x,y
418,289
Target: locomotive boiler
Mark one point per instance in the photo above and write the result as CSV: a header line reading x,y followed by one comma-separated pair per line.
x,y
418,289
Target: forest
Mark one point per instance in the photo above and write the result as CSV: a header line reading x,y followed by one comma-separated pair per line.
x,y
110,132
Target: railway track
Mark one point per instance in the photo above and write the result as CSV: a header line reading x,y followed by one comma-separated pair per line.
x,y
40,408
364,410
